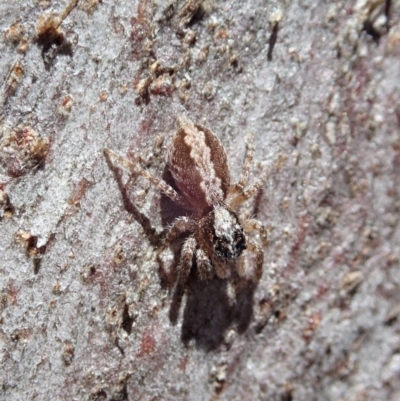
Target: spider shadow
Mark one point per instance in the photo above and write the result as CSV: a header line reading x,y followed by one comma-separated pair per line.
x,y
210,311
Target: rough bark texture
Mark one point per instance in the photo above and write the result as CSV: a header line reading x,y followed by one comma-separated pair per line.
x,y
87,311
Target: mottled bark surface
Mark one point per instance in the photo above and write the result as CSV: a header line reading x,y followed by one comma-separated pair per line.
x,y
87,310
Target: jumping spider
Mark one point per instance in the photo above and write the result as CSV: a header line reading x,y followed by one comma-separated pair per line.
x,y
198,164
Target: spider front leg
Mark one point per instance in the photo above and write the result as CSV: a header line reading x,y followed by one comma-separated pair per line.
x,y
250,225
186,260
179,226
253,247
203,265
240,266
221,269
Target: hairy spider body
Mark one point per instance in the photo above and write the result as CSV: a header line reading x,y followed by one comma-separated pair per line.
x,y
217,233
199,166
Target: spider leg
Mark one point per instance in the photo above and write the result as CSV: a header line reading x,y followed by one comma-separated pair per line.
x,y
240,266
179,226
136,169
253,224
220,269
246,167
243,196
203,264
186,260
253,247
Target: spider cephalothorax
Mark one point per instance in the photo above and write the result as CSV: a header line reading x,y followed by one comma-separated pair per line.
x,y
217,233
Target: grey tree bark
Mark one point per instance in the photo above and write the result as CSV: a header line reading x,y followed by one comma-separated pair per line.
x,y
88,312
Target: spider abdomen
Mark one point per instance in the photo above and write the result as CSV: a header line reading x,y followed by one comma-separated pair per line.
x,y
199,166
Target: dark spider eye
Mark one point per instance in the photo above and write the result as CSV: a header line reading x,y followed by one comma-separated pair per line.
x,y
223,248
240,241
230,247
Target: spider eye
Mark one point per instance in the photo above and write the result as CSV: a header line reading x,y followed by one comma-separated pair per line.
x,y
240,241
